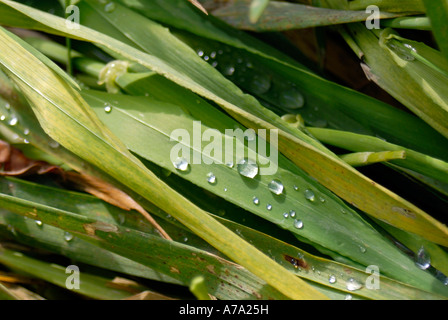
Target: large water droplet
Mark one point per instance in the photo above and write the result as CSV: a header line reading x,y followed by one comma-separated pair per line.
x,y
255,200
309,195
298,224
352,284
181,164
422,259
68,236
332,279
292,99
402,50
211,178
247,168
276,187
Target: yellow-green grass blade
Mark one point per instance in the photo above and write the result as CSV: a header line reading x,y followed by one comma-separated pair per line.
x,y
418,162
309,267
404,6
371,198
412,72
280,16
64,105
256,9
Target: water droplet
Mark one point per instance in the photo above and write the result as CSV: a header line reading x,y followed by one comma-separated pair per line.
x,y
185,239
276,187
260,84
39,223
107,108
247,168
68,236
3,117
343,211
53,144
292,213
110,7
200,53
214,64
332,279
225,189
229,164
181,164
348,297
7,106
228,70
206,58
321,199
211,178
296,188
352,284
25,141
269,207
13,121
298,224
255,200
402,50
292,99
213,55
309,195
26,132
286,215
422,259
362,249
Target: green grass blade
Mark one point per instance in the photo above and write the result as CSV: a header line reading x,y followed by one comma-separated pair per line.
x,y
281,16
437,12
256,9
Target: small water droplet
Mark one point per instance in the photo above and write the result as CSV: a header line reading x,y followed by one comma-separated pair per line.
x,y
214,64
260,84
107,108
322,200
269,207
296,188
2,117
247,168
292,213
228,70
298,224
309,195
13,121
213,55
181,164
276,187
292,99
26,141
68,236
206,58
7,106
348,297
255,200
53,144
229,164
332,279
39,223
225,189
353,285
286,215
185,239
362,249
422,259
110,7
211,178
26,132
200,53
